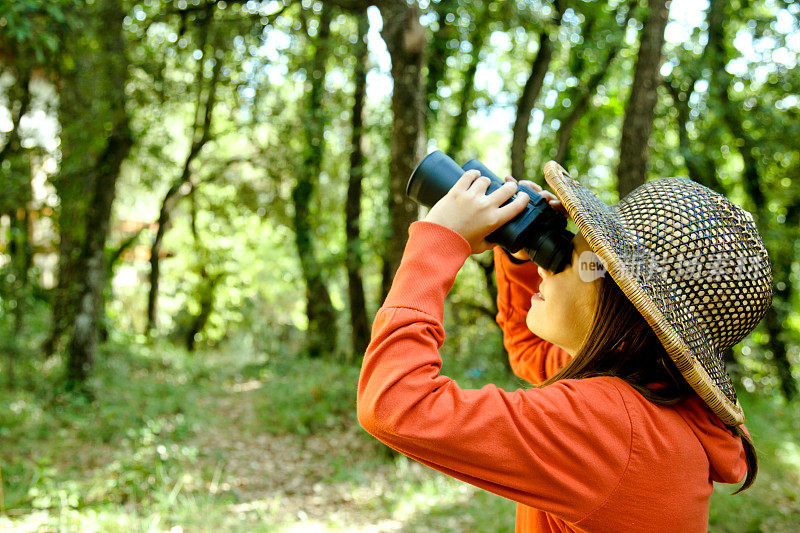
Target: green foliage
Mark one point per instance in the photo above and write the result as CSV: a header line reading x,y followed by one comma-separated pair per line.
x,y
307,396
773,503
68,455
160,434
180,440
34,27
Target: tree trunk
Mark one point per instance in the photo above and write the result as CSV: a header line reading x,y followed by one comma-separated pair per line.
x,y
206,289
527,101
92,274
71,213
359,326
72,190
92,278
638,122
170,199
198,322
201,134
321,336
405,39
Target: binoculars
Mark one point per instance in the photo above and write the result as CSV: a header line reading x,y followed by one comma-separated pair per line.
x,y
539,229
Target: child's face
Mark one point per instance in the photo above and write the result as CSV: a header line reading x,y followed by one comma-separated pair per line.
x,y
565,315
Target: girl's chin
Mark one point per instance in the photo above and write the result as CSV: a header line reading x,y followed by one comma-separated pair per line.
x,y
535,325
531,323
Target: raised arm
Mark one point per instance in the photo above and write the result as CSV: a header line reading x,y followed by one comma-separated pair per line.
x,y
532,358
525,445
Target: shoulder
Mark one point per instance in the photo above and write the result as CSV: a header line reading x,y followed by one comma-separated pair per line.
x,y
604,394
590,410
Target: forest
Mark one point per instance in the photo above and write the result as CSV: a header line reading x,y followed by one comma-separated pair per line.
x,y
203,204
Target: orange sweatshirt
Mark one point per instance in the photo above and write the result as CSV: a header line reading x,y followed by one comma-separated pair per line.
x,y
577,455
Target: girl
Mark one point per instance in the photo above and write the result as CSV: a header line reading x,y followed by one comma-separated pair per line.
x,y
634,415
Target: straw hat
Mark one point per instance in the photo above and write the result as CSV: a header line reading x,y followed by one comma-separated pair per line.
x,y
690,260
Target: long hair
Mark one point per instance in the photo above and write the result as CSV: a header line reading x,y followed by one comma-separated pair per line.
x,y
622,344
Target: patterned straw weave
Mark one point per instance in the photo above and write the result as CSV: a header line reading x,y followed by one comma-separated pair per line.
x,y
690,260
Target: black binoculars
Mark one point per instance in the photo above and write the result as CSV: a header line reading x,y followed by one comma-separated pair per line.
x,y
539,229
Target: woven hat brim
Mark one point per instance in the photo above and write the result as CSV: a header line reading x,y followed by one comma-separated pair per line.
x,y
604,231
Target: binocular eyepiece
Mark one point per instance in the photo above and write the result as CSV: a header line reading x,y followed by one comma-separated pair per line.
x,y
539,229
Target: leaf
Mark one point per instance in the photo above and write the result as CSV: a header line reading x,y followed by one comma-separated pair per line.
x,y
50,41
56,13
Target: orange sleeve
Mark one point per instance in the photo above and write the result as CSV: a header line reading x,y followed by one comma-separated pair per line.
x,y
562,448
532,358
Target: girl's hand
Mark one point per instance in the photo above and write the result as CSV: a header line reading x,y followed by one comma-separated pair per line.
x,y
552,200
469,211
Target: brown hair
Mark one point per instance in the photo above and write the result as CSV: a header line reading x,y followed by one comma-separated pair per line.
x,y
622,344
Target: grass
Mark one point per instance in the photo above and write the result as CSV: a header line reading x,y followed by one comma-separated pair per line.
x,y
773,502
241,441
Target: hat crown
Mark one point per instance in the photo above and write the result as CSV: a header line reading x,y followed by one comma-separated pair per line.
x,y
690,261
708,252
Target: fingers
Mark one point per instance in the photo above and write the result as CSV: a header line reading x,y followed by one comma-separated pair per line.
x,y
535,186
466,179
515,207
502,194
552,199
480,185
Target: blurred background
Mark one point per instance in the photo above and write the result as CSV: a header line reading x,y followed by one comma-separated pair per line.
x,y
202,206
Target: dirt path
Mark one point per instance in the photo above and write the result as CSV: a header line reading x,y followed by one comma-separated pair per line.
x,y
288,478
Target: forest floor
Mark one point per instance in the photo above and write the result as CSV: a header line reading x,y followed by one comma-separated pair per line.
x,y
234,442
